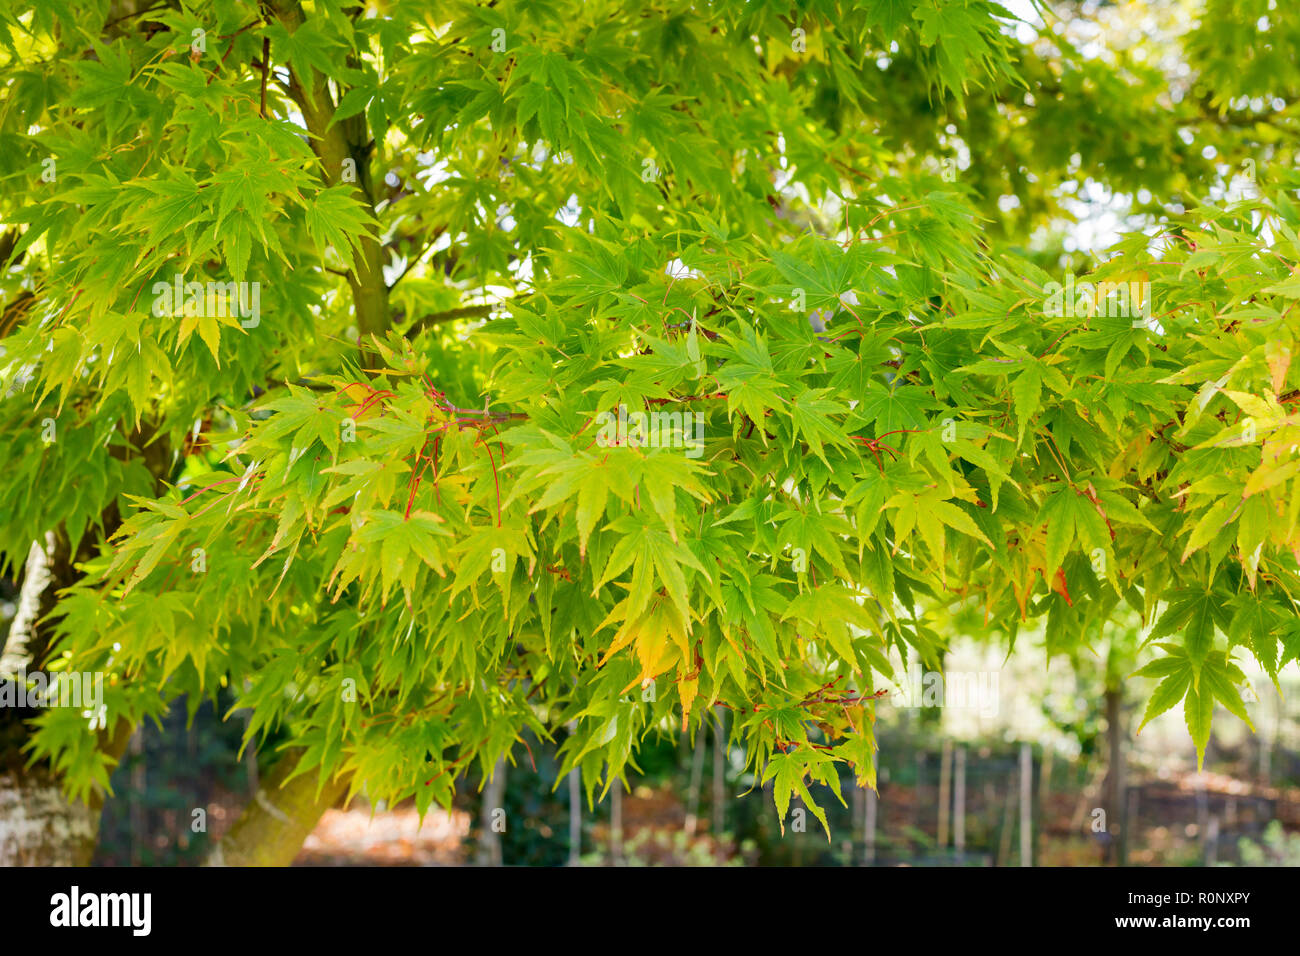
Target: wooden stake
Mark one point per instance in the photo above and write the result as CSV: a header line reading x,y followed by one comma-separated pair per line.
x,y
1045,784
1026,805
945,794
575,818
1004,844
869,829
719,778
1129,831
959,805
920,790
1212,841
693,788
616,823
493,797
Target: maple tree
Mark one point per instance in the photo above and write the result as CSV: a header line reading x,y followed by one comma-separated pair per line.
x,y
371,494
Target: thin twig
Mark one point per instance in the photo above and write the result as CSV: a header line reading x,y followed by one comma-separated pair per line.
x,y
266,66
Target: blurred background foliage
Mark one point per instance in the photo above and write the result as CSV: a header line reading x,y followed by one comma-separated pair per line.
x,y
1244,809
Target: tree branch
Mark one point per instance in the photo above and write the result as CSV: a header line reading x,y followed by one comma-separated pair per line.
x,y
335,143
438,318
266,66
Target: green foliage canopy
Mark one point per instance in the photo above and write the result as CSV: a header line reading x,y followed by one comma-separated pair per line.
x,y
396,529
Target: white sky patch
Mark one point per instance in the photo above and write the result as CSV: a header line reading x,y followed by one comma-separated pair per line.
x,y
570,214
680,270
1101,218
1031,23
397,266
433,174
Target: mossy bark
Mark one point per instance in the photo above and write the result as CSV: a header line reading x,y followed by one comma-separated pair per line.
x,y
273,827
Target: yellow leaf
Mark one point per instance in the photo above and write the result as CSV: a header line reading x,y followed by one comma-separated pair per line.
x,y
188,324
1278,356
210,332
687,687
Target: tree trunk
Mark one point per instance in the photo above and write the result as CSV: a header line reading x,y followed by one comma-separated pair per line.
x,y
272,828
490,851
338,142
39,826
1114,788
